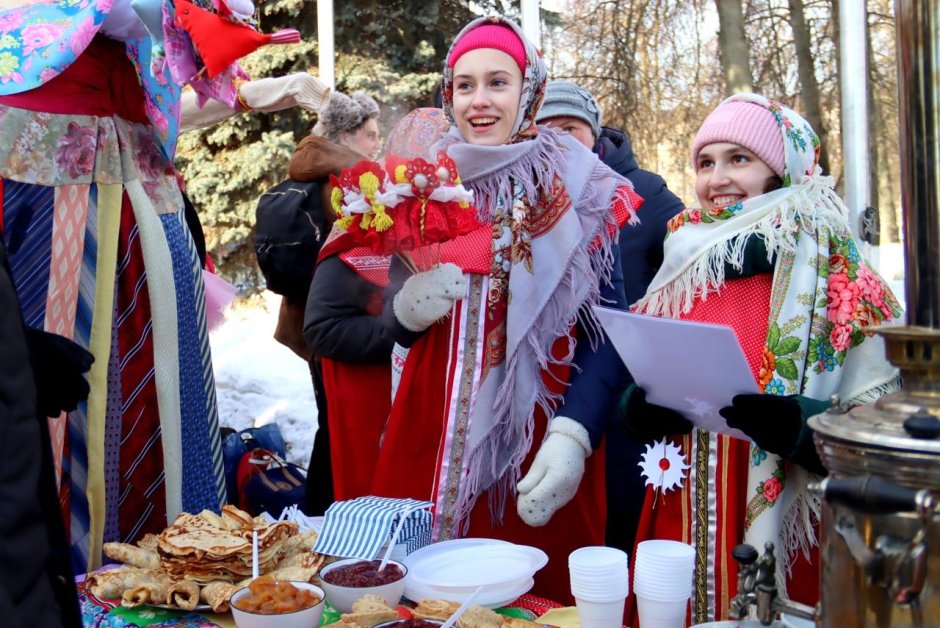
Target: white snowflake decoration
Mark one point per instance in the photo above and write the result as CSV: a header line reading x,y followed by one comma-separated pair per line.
x,y
663,465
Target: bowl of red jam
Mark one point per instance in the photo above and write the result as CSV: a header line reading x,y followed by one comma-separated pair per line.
x,y
348,580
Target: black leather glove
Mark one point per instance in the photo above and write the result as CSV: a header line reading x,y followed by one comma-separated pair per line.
x,y
778,424
58,370
647,421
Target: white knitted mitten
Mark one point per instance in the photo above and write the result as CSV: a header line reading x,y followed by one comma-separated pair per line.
x,y
555,473
267,94
428,296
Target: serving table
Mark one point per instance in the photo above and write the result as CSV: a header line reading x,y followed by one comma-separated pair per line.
x,y
100,613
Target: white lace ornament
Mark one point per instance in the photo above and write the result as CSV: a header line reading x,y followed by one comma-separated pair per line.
x,y
663,465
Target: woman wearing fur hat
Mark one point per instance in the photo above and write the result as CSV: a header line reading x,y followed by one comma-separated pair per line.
x,y
346,132
508,380
770,254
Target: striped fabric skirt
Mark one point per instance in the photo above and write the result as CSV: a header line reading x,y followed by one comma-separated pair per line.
x,y
92,220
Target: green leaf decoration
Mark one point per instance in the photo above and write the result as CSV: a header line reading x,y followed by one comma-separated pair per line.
x,y
773,337
787,368
788,345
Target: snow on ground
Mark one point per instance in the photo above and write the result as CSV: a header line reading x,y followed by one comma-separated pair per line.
x,y
260,381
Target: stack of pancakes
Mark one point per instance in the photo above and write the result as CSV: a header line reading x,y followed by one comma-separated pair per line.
x,y
205,557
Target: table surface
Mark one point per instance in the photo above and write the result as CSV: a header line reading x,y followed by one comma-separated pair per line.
x,y
101,613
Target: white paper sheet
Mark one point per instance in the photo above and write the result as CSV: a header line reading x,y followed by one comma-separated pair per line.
x,y
693,368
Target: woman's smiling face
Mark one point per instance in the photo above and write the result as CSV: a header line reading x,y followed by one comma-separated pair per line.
x,y
487,87
727,174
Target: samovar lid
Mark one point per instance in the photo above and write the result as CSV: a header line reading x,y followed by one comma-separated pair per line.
x,y
891,423
907,420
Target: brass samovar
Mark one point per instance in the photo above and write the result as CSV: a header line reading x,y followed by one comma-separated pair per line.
x,y
879,538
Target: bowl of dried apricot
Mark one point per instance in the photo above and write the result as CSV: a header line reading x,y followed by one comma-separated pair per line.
x,y
266,601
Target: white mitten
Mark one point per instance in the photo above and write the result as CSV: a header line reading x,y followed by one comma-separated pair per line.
x,y
555,473
428,296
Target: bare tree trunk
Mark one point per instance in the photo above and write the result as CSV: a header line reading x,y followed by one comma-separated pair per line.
x,y
809,87
882,197
733,47
837,83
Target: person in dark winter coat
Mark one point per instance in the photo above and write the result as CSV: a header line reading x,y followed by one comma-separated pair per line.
x,y
343,329
346,132
40,375
573,109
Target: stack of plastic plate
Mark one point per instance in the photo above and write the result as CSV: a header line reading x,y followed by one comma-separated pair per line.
x,y
452,570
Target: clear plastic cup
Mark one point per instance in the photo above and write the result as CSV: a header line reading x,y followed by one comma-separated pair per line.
x,y
660,614
600,614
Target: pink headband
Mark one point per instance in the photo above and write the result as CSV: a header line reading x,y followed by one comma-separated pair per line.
x,y
496,36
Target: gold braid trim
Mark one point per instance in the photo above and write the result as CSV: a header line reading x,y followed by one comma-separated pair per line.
x,y
700,611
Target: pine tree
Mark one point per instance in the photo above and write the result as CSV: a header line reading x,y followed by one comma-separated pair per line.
x,y
392,50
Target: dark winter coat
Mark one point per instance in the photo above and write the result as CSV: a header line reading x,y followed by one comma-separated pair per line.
x,y
341,321
641,255
36,583
641,246
314,159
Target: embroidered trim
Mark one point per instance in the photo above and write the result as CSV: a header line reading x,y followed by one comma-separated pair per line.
x,y
460,428
700,600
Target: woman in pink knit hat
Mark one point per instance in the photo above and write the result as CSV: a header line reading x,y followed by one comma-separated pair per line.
x,y
504,392
769,253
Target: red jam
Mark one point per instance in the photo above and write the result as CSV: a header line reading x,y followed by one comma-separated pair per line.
x,y
363,574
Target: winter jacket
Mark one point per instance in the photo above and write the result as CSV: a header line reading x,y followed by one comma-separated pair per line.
x,y
641,254
641,246
341,321
36,583
314,159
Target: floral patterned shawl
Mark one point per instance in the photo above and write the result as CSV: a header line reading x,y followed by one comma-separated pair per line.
x,y
825,302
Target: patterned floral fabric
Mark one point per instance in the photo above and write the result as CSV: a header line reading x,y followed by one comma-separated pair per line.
x,y
39,40
825,303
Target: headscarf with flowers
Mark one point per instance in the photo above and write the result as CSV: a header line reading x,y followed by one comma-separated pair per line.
x,y
825,302
559,205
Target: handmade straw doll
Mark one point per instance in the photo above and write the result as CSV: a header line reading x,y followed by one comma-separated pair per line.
x,y
769,253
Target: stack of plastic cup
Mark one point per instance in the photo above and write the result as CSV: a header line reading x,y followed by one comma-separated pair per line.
x,y
599,584
662,582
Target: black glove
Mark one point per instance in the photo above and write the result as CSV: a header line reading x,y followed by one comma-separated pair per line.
x,y
778,424
647,421
58,370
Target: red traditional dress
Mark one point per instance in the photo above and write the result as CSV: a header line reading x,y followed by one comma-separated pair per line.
x,y
358,392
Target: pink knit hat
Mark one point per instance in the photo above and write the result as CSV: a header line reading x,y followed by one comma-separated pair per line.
x,y
747,124
495,36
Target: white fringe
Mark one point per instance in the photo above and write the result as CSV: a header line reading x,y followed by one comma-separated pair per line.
x,y
810,206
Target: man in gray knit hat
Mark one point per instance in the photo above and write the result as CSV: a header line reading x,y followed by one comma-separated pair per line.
x,y
572,109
